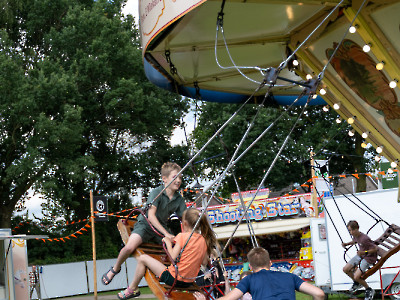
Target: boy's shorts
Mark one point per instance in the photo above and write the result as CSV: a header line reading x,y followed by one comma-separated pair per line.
x,y
355,261
146,233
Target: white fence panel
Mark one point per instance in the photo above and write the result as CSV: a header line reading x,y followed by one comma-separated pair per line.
x,y
63,280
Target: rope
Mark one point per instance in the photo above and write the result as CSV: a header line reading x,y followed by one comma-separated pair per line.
x,y
205,145
230,164
341,41
284,63
269,170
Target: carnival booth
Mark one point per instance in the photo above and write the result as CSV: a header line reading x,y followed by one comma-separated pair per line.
x,y
6,270
281,225
14,281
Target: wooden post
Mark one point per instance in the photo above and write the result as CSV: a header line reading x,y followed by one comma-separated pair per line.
x,y
314,202
93,246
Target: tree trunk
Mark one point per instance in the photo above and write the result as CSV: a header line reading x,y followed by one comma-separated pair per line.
x,y
5,216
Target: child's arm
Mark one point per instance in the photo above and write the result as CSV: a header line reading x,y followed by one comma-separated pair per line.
x,y
348,244
173,250
154,221
227,284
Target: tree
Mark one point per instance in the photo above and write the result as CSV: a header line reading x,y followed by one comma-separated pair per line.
x,y
315,129
76,111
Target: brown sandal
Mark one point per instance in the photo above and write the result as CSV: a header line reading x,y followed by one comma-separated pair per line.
x,y
105,280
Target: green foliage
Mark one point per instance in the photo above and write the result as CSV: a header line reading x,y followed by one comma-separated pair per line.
x,y
76,110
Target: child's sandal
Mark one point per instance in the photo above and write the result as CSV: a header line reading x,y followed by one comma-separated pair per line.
x,y
105,280
128,294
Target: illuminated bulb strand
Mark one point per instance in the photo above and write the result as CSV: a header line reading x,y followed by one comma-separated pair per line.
x,y
380,65
393,164
367,48
393,83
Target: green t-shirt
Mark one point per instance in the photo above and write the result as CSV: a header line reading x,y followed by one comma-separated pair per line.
x,y
165,207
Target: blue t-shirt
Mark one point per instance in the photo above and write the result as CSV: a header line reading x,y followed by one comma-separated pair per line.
x,y
266,284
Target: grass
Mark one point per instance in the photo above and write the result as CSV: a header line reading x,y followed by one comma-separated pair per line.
x,y
299,296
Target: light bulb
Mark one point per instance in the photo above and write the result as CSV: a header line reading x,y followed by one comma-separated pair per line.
x,y
379,149
308,77
325,108
365,135
350,120
352,29
363,145
377,158
322,91
367,48
336,106
393,83
393,164
351,132
390,171
295,62
338,120
315,96
379,66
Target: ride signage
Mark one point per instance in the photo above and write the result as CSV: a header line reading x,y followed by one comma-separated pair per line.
x,y
248,195
100,205
271,208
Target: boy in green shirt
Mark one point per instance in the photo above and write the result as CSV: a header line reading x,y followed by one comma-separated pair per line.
x,y
169,202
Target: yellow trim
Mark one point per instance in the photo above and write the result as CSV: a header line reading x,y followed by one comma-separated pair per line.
x,y
378,49
379,138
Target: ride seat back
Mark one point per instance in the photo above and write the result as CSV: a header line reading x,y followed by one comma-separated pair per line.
x,y
388,244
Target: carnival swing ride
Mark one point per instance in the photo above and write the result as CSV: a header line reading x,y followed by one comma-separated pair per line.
x,y
340,52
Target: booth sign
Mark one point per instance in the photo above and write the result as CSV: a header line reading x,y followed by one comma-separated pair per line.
x,y
291,206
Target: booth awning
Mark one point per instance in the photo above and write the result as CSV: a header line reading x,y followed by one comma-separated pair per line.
x,y
260,228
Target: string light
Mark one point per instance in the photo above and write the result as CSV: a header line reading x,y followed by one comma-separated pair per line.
x,y
363,145
315,96
393,83
351,120
295,62
367,48
351,132
353,29
325,108
379,66
322,91
390,171
308,77
338,120
365,135
336,106
393,164
379,149
377,158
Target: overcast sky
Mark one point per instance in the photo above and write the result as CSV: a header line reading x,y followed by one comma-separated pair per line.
x,y
132,8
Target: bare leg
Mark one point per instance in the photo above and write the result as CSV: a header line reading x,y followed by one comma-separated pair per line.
x,y
134,241
349,270
145,261
357,277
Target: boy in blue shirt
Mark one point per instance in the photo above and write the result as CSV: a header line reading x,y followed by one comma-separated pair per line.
x,y
264,284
